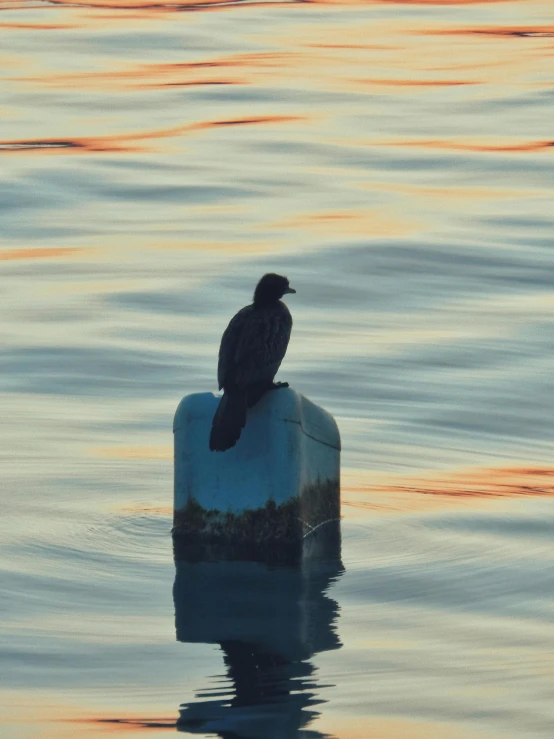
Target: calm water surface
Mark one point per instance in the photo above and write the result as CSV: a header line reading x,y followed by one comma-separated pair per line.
x,y
395,160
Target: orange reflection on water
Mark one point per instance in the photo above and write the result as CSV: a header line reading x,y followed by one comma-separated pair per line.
x,y
150,76
410,2
167,5
172,6
404,494
215,71
516,31
373,222
145,510
38,26
127,142
485,146
336,726
419,57
36,713
44,253
418,83
126,724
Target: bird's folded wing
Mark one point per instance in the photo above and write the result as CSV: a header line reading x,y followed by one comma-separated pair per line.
x,y
253,346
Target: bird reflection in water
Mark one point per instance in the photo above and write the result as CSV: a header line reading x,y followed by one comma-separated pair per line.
x,y
270,620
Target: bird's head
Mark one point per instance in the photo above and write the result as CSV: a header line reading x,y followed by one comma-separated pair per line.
x,y
271,288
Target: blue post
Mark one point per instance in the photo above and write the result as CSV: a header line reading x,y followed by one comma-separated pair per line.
x,y
278,484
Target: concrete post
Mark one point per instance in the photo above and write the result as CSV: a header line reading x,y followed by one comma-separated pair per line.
x,y
277,485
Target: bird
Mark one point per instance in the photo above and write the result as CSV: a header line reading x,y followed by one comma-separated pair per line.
x,y
252,348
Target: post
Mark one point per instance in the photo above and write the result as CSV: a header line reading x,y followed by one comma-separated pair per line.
x,y
278,484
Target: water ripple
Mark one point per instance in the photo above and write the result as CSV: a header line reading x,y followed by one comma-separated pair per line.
x,y
393,159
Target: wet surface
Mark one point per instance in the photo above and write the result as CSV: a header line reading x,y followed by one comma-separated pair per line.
x,y
395,160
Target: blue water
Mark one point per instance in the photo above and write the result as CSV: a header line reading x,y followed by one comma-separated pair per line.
x,y
395,161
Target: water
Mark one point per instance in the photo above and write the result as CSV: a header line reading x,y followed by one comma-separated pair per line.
x,y
395,160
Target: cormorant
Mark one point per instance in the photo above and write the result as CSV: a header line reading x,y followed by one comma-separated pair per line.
x,y
252,348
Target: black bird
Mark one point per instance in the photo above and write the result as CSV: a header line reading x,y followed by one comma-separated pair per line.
x,y
252,348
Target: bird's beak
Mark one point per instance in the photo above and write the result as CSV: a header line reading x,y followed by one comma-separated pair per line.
x,y
289,290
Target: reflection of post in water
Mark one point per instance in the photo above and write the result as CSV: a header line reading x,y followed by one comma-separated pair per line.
x,y
269,620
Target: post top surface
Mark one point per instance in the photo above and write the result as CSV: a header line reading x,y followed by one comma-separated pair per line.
x,y
284,404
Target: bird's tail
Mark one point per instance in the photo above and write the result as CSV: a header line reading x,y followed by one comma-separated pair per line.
x,y
229,420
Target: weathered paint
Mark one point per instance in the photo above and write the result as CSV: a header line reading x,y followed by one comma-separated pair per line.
x,y
279,483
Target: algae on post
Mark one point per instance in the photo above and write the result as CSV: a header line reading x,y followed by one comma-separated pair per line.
x,y
318,503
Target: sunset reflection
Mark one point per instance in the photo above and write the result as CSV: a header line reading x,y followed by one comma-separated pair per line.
x,y
125,142
491,147
384,222
393,158
42,253
434,490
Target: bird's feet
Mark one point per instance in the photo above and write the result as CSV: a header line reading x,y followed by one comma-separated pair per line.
x,y
277,385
